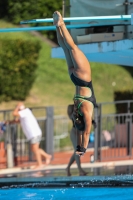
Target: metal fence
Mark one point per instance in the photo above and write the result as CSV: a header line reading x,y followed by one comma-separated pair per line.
x,y
113,136
114,132
55,126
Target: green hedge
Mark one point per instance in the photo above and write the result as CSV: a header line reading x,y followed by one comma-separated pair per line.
x,y
15,11
18,64
22,9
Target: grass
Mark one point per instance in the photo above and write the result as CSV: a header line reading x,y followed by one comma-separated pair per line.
x,y
53,87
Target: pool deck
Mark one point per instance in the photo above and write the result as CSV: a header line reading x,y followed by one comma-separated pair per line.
x,y
111,164
55,176
60,161
60,170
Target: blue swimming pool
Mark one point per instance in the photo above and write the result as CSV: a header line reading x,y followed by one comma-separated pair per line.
x,y
94,193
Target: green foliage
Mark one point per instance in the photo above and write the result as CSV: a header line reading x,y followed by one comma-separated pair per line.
x,y
3,8
123,95
32,9
17,68
18,10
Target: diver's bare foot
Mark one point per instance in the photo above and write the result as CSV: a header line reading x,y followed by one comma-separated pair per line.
x,y
58,20
37,174
48,159
38,167
83,173
68,172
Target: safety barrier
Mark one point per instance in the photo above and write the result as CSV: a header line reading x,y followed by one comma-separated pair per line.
x,y
114,133
112,139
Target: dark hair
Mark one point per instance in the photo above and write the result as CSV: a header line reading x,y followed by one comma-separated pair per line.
x,y
70,110
77,118
79,123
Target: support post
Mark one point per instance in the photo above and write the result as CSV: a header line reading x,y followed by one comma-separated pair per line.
x,y
129,130
63,8
10,160
99,131
132,19
50,130
97,143
96,135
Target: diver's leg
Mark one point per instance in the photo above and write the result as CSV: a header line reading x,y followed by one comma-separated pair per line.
x,y
71,161
65,49
79,59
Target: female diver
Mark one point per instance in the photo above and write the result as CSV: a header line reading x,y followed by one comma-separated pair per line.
x,y
80,74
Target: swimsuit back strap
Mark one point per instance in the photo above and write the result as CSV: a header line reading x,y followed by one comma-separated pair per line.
x,y
80,104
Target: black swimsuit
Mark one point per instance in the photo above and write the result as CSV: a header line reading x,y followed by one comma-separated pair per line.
x,y
78,117
81,83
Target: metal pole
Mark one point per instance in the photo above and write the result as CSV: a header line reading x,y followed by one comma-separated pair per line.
x,y
63,8
129,131
97,143
76,19
50,130
126,12
53,28
132,19
96,135
10,162
99,131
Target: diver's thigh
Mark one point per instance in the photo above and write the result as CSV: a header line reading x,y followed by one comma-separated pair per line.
x,y
79,60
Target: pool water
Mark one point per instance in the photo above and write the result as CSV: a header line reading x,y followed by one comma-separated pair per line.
x,y
94,193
